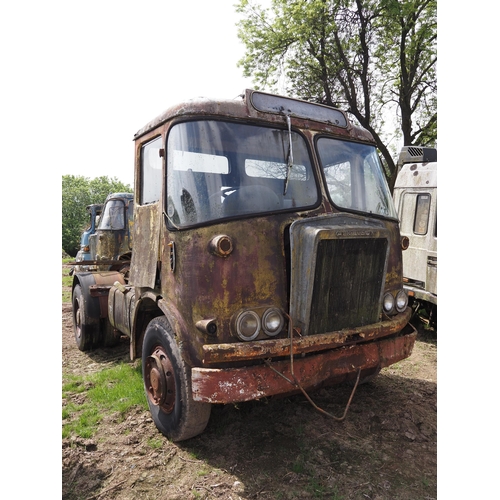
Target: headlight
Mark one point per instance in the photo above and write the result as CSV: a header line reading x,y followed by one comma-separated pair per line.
x,y
272,322
247,325
388,302
401,301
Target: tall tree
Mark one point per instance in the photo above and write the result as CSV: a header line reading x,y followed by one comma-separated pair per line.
x,y
77,193
370,57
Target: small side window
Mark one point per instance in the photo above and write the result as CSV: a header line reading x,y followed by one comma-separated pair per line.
x,y
151,171
422,214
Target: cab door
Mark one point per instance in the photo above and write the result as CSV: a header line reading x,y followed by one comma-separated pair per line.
x,y
418,221
147,214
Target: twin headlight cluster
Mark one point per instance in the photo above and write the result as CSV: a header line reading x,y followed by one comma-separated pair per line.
x,y
248,323
395,304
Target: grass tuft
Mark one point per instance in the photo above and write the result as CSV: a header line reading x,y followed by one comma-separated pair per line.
x,y
113,390
67,282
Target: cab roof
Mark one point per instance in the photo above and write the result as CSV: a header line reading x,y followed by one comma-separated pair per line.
x,y
256,105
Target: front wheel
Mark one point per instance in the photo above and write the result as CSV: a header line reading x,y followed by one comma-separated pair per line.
x,y
167,382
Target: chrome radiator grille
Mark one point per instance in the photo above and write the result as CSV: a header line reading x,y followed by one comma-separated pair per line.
x,y
338,266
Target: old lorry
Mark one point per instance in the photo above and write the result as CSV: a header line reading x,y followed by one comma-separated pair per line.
x,y
94,210
415,198
107,243
111,244
267,258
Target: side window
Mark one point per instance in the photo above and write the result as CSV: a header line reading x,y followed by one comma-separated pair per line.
x,y
151,171
422,214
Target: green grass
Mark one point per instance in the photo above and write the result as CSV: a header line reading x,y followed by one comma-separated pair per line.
x,y
202,472
155,443
67,281
298,465
113,390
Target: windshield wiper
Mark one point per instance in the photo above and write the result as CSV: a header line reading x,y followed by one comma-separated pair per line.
x,y
289,160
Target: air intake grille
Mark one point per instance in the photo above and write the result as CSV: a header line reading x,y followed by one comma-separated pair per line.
x,y
348,281
415,151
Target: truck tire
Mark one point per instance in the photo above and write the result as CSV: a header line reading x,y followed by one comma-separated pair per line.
x,y
167,383
84,326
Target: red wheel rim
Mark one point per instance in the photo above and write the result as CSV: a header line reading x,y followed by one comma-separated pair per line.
x,y
159,380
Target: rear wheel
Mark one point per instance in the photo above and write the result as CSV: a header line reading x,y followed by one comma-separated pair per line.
x,y
167,382
83,326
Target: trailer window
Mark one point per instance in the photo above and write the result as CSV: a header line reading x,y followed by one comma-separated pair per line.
x,y
151,172
422,210
219,169
354,177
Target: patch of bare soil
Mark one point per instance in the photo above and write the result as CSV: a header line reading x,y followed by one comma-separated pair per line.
x,y
267,449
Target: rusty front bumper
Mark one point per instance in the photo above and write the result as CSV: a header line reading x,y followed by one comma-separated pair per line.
x,y
332,366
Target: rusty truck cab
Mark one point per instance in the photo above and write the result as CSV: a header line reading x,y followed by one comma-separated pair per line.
x,y
264,233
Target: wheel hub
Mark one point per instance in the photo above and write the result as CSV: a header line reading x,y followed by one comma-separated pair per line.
x,y
159,380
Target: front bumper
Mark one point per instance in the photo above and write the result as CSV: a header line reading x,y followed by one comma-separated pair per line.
x,y
420,294
273,348
331,366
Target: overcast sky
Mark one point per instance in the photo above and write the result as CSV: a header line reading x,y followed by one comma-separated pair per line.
x,y
91,74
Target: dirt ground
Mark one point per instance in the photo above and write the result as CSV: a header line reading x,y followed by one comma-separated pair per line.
x,y
268,449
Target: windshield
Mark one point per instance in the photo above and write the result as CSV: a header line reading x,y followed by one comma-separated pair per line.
x,y
113,216
354,177
219,169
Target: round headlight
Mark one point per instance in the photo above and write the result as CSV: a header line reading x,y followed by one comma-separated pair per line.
x,y
247,325
401,300
272,322
388,302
